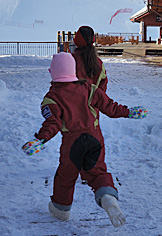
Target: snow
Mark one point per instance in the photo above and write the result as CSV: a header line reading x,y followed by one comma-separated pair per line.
x,y
133,153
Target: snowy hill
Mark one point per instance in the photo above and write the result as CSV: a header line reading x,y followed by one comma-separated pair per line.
x,y
35,20
133,154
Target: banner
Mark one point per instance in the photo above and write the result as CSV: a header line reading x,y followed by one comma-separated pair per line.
x,y
125,10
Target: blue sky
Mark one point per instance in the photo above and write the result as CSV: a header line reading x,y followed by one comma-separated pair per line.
x,y
18,21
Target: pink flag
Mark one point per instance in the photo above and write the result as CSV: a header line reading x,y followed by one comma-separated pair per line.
x,y
125,10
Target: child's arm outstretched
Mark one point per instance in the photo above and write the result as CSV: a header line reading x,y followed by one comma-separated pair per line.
x,y
114,110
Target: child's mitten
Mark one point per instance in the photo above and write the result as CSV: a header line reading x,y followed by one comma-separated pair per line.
x,y
33,146
138,112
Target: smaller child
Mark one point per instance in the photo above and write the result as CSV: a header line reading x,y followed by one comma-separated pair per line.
x,y
70,107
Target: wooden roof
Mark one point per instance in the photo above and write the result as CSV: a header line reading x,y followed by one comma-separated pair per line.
x,y
152,7
155,5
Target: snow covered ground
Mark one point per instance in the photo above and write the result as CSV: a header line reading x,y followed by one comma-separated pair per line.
x,y
133,154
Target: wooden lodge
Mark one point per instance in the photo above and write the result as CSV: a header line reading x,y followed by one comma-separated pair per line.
x,y
150,15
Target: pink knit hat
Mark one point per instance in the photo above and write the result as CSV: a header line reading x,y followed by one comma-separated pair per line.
x,y
63,68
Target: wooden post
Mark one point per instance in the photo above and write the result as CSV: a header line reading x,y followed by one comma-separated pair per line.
x,y
121,39
74,33
58,40
63,36
160,34
116,39
144,39
137,40
69,36
111,40
66,47
58,36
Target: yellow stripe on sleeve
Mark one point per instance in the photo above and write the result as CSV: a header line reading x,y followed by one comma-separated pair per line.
x,y
47,101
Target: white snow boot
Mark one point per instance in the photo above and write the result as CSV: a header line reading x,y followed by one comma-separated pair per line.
x,y
59,214
110,205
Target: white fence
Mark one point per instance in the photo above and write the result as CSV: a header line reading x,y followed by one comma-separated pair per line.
x,y
28,48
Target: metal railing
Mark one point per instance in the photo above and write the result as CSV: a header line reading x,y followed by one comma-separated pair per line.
x,y
28,48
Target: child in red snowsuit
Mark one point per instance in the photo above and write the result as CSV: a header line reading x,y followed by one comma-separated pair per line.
x,y
71,107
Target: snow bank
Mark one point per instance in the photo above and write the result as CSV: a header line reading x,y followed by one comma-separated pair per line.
x,y
133,154
3,89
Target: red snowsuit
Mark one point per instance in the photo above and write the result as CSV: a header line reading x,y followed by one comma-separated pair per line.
x,y
70,109
100,79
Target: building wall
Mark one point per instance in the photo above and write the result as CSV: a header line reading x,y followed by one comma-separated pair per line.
x,y
152,19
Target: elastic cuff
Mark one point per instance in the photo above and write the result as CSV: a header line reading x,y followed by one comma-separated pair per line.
x,y
62,207
105,190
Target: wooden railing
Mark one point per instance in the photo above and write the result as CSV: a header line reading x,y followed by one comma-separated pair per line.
x,y
65,36
110,39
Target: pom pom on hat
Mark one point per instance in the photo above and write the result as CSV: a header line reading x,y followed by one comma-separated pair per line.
x,y
63,68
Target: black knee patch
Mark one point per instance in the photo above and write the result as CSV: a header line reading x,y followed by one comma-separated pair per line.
x,y
85,152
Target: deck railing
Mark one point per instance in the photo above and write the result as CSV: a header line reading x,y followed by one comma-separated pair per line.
x,y
115,38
